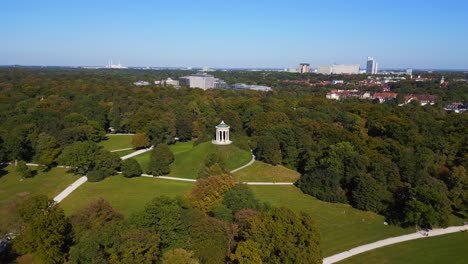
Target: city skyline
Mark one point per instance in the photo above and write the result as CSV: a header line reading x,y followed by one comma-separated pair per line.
x,y
419,35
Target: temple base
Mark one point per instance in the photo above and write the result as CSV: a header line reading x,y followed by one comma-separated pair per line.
x,y
221,142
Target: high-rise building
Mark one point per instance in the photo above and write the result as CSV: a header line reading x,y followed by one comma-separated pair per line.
x,y
304,68
371,66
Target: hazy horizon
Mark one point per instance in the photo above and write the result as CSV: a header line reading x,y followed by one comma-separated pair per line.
x,y
264,34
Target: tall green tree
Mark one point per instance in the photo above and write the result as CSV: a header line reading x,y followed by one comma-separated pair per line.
x,y
283,237
268,150
47,149
44,229
131,168
164,216
80,156
160,159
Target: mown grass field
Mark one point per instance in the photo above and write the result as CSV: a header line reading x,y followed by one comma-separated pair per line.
x,y
188,159
13,188
126,195
262,172
114,142
341,226
124,152
451,248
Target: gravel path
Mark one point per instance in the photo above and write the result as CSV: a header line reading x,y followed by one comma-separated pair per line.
x,y
392,240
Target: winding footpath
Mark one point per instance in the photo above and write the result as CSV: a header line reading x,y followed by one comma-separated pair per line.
x,y
246,165
84,179
392,240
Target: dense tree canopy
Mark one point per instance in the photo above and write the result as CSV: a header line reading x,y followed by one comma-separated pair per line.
x,y
380,157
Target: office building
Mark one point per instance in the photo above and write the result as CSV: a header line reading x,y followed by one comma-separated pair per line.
x,y
200,80
324,69
345,69
371,66
304,68
338,69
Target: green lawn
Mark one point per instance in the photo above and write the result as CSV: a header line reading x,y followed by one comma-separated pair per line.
x,y
126,195
450,248
124,152
341,226
188,159
114,142
13,188
262,172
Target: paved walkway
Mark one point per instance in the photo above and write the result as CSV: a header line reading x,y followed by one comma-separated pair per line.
x,y
168,178
246,165
70,189
135,153
392,240
117,150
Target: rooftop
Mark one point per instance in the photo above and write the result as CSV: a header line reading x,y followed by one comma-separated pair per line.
x,y
222,125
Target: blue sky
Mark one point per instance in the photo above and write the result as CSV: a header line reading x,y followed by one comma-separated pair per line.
x,y
415,34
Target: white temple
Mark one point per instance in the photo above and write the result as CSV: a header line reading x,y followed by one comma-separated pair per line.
x,y
222,134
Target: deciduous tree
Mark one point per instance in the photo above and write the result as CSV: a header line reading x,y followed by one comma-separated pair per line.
x,y
44,229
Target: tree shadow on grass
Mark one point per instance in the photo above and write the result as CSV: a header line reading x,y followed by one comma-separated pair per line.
x,y
3,172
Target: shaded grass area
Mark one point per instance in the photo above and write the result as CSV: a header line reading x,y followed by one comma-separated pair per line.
x,y
126,195
114,142
451,248
13,188
341,226
263,172
188,159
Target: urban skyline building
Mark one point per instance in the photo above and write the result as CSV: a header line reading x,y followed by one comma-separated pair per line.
x,y
338,69
304,68
372,66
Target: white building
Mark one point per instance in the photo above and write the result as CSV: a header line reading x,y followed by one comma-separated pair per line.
x,y
345,69
222,134
172,82
324,69
372,66
243,86
304,68
141,83
338,69
200,80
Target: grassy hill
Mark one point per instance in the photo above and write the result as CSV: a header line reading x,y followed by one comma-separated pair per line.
x,y
188,159
114,142
432,250
14,188
341,226
263,172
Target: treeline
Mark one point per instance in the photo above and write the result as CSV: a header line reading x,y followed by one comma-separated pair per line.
x,y
408,163
220,224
